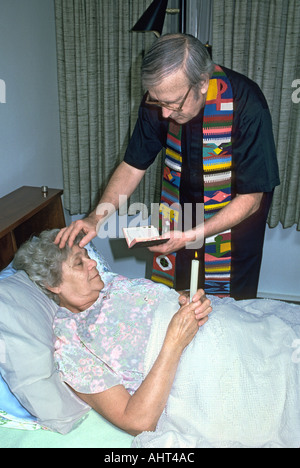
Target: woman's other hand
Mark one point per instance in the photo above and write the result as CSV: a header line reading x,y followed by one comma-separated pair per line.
x,y
183,327
203,305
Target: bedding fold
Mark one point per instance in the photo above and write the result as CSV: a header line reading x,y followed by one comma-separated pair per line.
x,y
10,421
237,384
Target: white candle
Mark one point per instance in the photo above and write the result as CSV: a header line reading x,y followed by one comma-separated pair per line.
x,y
194,278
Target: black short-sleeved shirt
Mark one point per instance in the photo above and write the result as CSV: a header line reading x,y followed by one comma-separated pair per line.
x,y
255,169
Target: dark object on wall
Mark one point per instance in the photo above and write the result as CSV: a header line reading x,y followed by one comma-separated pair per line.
x,y
153,18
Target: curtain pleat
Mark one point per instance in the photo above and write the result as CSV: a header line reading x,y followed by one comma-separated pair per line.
x,y
100,90
260,38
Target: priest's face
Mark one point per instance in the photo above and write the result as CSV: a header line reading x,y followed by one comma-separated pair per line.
x,y
178,101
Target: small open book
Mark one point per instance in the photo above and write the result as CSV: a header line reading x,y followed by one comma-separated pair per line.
x,y
143,236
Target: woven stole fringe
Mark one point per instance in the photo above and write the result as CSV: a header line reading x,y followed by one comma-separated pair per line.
x,y
217,164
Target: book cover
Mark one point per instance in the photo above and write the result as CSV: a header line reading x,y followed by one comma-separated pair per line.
x,y
143,236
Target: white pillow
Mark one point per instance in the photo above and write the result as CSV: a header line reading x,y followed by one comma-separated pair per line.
x,y
8,271
103,267
27,365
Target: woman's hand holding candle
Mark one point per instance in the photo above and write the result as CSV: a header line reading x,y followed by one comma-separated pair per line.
x,y
201,304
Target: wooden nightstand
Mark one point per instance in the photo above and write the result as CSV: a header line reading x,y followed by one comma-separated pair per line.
x,y
25,212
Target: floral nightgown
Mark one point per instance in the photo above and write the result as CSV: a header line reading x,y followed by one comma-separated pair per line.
x,y
105,345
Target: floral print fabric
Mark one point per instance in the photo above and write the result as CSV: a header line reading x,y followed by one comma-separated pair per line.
x,y
105,345
10,421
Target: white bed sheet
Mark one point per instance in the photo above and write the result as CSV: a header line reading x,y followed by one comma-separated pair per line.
x,y
238,382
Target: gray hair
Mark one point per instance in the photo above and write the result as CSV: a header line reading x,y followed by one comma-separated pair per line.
x,y
42,260
174,52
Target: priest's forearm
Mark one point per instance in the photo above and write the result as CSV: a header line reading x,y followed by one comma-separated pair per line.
x,y
239,209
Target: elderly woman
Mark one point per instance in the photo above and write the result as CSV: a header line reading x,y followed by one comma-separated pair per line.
x,y
103,330
133,351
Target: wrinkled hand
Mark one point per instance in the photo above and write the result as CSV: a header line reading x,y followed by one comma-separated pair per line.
x,y
182,328
203,305
186,322
87,225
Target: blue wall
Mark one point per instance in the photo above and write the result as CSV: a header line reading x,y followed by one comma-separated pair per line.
x,y
30,141
280,272
29,120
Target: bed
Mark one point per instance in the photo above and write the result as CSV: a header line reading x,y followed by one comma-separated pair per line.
x,y
37,410
26,344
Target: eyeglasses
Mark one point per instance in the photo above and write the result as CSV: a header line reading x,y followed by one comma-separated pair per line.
x,y
150,102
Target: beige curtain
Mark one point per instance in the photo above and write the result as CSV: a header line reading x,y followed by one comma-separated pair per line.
x,y
260,38
99,62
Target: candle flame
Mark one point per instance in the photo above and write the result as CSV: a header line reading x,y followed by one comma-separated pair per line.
x,y
196,255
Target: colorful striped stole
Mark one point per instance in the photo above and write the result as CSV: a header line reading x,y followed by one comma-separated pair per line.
x,y
217,165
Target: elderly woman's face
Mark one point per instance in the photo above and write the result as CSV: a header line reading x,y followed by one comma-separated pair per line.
x,y
81,282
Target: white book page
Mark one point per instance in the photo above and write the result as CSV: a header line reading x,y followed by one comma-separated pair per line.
x,y
141,232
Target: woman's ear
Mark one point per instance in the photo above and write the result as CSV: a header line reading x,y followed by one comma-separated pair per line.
x,y
54,289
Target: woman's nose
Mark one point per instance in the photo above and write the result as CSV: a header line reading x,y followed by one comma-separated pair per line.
x,y
92,263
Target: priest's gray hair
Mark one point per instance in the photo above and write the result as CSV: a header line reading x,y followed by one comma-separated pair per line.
x,y
42,260
174,52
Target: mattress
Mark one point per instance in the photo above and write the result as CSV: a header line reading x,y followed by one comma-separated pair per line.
x,y
93,432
